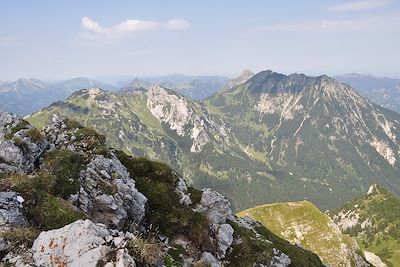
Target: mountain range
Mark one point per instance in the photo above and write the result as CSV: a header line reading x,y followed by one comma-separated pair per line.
x,y
14,96
273,137
195,87
25,96
380,90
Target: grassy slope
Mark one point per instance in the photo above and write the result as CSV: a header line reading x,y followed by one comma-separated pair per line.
x,y
303,223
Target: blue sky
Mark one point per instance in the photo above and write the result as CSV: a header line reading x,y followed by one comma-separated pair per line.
x,y
64,39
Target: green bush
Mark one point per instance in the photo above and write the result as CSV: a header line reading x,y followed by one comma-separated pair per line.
x,y
165,212
65,165
42,209
53,212
72,124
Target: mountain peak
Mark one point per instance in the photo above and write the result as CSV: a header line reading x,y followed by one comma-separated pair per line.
x,y
244,77
247,72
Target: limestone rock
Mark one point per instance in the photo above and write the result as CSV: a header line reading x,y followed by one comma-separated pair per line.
x,y
82,243
181,188
10,213
207,257
19,149
225,237
280,259
108,194
215,206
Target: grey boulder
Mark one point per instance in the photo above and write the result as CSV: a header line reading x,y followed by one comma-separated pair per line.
x,y
108,194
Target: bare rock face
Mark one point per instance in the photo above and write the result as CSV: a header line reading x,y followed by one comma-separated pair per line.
x,y
108,195
20,144
217,208
182,115
181,188
82,243
209,259
280,260
10,213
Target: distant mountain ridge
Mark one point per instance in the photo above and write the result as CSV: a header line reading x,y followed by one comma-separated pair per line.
x,y
25,96
195,87
381,90
39,93
273,138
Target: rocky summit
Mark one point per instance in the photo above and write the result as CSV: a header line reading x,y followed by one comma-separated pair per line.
x,y
261,139
66,199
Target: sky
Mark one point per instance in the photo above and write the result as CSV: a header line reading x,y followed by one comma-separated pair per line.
x,y
66,39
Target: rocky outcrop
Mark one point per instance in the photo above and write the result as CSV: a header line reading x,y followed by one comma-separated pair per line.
x,y
20,144
217,209
280,259
215,206
185,117
10,210
181,188
82,243
108,194
244,77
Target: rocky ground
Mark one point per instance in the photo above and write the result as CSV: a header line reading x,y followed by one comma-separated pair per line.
x,y
68,200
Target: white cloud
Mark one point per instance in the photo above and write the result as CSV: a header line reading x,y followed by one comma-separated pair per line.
x,y
8,41
95,30
177,24
135,25
359,5
389,23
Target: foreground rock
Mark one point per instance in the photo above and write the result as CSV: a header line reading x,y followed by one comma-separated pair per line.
x,y
10,210
108,195
20,144
82,243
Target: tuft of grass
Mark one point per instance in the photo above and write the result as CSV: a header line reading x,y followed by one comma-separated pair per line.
x,y
22,125
72,124
148,251
250,250
35,135
43,209
20,143
20,236
53,212
65,165
195,195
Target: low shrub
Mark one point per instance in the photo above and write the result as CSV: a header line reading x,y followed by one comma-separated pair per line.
x,y
158,183
20,236
65,166
52,212
34,135
148,251
42,209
